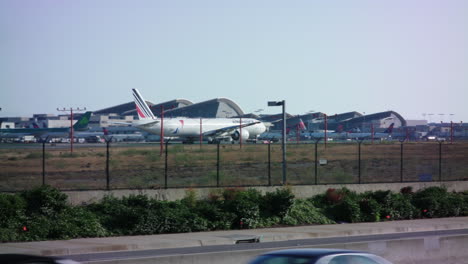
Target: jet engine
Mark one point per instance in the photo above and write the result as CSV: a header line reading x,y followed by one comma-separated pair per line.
x,y
237,134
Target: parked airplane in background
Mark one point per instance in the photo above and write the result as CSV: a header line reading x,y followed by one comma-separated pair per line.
x,y
80,125
340,134
386,134
189,129
276,136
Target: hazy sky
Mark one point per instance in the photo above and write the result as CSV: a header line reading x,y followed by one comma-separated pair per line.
x,y
329,56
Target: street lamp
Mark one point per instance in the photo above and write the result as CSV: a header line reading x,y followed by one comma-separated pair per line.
x,y
283,142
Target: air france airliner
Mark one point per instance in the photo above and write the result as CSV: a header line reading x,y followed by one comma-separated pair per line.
x,y
190,129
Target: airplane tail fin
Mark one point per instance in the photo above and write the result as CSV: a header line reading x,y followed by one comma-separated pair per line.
x,y
35,125
389,130
339,129
301,125
82,123
144,112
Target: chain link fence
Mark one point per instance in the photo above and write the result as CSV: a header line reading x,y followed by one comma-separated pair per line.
x,y
139,166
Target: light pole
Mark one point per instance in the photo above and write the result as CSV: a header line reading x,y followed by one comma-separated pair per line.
x,y
71,109
161,135
283,142
429,117
326,128
258,110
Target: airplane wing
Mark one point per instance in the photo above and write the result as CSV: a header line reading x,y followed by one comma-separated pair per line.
x,y
121,123
149,124
13,135
137,124
226,130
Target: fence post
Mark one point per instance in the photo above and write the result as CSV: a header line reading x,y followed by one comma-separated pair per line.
x,y
401,159
165,165
108,141
217,166
359,161
269,163
43,159
316,161
440,160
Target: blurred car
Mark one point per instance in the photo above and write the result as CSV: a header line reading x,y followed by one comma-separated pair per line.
x,y
31,259
318,256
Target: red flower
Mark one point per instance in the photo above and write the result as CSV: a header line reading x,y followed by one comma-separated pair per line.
x,y
388,217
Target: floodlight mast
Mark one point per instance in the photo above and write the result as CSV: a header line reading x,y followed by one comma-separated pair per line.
x,y
71,109
283,142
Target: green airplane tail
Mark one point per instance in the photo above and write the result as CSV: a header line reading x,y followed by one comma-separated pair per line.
x,y
82,123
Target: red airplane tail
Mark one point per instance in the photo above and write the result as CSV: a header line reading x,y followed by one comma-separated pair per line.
x,y
339,129
389,130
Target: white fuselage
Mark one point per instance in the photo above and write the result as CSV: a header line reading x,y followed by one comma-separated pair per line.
x,y
192,127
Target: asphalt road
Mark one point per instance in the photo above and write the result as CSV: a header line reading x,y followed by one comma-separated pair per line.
x,y
121,255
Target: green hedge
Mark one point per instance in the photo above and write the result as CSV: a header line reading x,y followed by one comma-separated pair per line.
x,y
44,214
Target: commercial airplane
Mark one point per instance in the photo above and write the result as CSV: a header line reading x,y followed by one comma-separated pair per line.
x,y
340,134
386,134
189,129
276,136
80,125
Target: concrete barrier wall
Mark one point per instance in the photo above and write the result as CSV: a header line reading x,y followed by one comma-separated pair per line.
x,y
303,191
428,250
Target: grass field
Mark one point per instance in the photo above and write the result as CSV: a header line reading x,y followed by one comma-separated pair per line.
x,y
142,166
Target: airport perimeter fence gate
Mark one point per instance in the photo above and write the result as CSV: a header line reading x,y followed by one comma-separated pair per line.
x,y
229,165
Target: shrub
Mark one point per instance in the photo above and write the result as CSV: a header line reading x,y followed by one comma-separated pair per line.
x,y
169,217
341,205
397,206
437,202
454,204
347,211
12,216
277,203
190,198
334,196
72,222
43,214
11,207
120,216
45,200
217,218
78,222
465,203
370,210
406,190
245,205
304,212
394,206
230,194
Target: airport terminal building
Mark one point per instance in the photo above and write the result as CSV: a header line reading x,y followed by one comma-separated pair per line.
x,y
221,108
